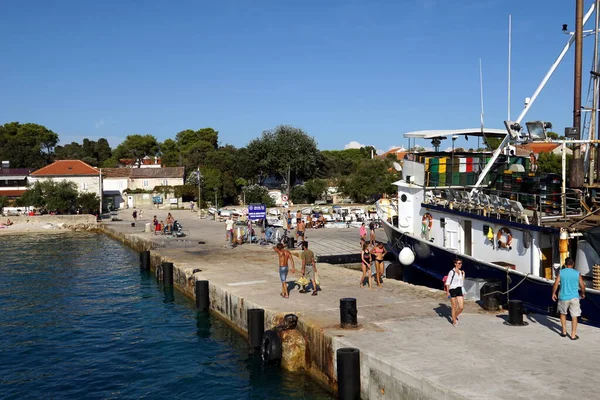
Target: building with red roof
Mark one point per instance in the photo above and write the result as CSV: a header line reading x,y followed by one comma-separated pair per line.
x,y
86,177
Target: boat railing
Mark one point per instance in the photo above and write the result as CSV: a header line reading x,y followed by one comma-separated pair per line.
x,y
387,210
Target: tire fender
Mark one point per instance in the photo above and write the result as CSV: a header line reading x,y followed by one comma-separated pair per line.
x,y
270,348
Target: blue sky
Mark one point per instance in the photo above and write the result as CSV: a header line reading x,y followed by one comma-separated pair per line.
x,y
364,71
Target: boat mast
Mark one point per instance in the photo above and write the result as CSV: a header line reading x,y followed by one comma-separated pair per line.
x,y
509,56
558,60
577,173
594,119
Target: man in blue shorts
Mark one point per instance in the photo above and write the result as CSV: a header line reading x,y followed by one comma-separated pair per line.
x,y
284,257
571,288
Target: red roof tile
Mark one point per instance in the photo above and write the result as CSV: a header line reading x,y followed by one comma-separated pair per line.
x,y
67,168
12,192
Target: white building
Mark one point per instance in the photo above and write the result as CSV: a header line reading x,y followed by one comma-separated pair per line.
x,y
86,177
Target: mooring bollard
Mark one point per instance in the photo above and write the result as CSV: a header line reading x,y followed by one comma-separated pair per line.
x,y
256,326
515,313
145,260
348,373
167,268
202,298
348,312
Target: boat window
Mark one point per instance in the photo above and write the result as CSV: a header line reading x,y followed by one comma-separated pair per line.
x,y
403,198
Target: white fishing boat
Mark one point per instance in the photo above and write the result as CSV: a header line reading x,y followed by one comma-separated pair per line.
x,y
511,227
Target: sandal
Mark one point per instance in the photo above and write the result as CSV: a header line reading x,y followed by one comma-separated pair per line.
x,y
563,334
575,338
314,293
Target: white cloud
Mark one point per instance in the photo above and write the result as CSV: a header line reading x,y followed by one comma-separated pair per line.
x,y
353,145
99,124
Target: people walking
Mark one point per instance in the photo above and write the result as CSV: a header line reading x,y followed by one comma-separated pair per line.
x,y
309,267
372,233
571,289
365,256
229,229
379,252
134,215
454,289
363,232
300,229
284,258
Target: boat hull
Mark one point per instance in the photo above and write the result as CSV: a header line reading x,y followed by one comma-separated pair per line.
x,y
535,293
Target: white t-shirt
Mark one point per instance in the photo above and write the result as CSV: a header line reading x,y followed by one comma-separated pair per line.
x,y
229,224
455,280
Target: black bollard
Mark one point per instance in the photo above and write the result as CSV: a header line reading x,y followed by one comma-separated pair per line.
x,y
515,313
491,295
202,298
291,242
348,373
167,269
145,260
348,312
256,326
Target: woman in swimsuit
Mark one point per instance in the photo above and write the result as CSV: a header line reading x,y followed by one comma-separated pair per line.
x,y
366,265
380,253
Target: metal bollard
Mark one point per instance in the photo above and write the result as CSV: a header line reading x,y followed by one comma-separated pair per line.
x,y
145,260
256,326
348,373
515,313
202,297
167,268
348,312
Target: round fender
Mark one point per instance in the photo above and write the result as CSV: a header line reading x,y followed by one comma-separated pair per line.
x,y
270,348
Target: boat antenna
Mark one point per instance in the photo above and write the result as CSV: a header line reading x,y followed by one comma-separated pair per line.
x,y
509,61
481,99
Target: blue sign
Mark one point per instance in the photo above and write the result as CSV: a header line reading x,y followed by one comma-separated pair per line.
x,y
257,211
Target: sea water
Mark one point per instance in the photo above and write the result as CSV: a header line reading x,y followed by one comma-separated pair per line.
x,y
78,320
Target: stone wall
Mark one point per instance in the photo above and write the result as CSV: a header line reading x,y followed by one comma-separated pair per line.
x,y
85,219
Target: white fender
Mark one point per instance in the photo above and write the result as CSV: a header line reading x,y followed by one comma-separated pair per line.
x,y
406,256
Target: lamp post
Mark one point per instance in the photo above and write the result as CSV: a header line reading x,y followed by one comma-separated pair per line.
x,y
244,194
216,204
199,175
452,173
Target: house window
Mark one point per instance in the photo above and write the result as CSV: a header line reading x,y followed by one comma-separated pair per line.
x,y
165,182
146,183
85,186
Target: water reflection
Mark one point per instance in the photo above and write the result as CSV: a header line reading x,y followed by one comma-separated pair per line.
x,y
203,324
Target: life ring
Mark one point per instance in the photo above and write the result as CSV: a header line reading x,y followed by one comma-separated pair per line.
x,y
499,237
270,348
427,221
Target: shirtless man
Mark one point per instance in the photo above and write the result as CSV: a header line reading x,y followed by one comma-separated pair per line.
x,y
284,257
300,228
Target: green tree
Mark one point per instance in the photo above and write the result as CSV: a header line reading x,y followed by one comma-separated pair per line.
x,y
371,178
136,147
286,152
551,163
88,203
299,195
27,145
170,153
3,202
315,189
258,194
53,196
336,163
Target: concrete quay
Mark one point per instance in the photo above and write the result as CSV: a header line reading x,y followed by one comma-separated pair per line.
x,y
409,349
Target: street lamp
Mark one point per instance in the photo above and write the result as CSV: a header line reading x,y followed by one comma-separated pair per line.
x,y
216,204
452,173
199,175
244,193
